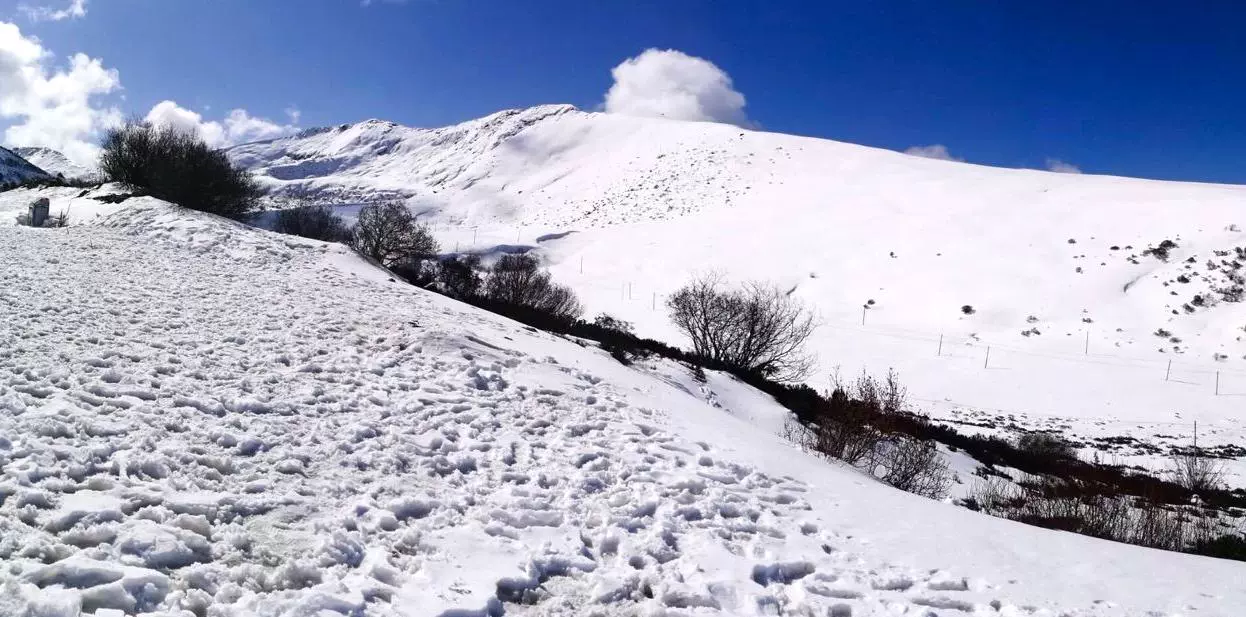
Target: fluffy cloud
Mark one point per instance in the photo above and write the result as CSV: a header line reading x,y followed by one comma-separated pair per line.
x,y
1061,167
237,128
672,84
53,107
76,9
933,151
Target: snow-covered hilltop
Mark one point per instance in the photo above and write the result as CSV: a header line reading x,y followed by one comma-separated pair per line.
x,y
201,418
913,263
14,169
55,163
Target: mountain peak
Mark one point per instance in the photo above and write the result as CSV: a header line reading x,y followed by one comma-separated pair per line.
x,y
55,163
14,168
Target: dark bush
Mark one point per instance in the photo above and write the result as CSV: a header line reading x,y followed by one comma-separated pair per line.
x,y
756,328
177,166
389,234
1045,444
519,280
1162,250
610,322
967,309
315,222
459,277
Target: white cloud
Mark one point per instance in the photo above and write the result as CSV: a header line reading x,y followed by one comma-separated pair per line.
x,y
1061,167
76,9
672,84
53,107
237,128
293,114
933,151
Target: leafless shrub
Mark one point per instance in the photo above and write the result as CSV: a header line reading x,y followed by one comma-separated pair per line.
x,y
846,429
389,234
315,222
1195,472
1100,512
1044,444
914,466
755,328
519,280
178,166
459,277
58,220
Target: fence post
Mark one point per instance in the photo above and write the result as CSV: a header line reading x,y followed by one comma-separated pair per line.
x,y
581,264
863,315
653,304
987,361
1088,342
1217,383
940,352
1168,373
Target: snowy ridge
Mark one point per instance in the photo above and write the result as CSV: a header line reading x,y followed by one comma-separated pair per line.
x,y
196,416
56,164
14,169
378,159
1053,266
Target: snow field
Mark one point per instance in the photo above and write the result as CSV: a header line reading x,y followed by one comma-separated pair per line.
x,y
199,418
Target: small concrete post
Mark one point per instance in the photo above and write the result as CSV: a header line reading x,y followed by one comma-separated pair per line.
x,y
39,212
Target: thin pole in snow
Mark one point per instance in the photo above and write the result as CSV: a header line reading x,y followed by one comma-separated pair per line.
x,y
581,264
863,315
473,235
653,304
1088,342
1168,373
1217,383
940,352
987,361
629,291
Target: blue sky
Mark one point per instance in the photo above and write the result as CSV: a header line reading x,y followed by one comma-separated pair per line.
x,y
1145,88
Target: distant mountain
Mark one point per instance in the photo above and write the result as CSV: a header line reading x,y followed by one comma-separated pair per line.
x,y
16,169
55,163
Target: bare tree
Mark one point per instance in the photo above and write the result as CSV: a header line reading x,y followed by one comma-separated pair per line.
x,y
519,280
389,234
757,328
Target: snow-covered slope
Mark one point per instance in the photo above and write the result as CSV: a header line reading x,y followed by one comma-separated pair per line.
x,y
15,169
55,163
1081,323
201,418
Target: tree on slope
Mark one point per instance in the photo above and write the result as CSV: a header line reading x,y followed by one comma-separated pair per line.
x,y
755,328
389,234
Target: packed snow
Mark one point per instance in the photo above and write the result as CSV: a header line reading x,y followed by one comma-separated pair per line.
x,y
202,418
1119,348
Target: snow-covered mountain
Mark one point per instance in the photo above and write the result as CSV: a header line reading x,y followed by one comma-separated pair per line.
x,y
1004,297
202,418
56,163
15,169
